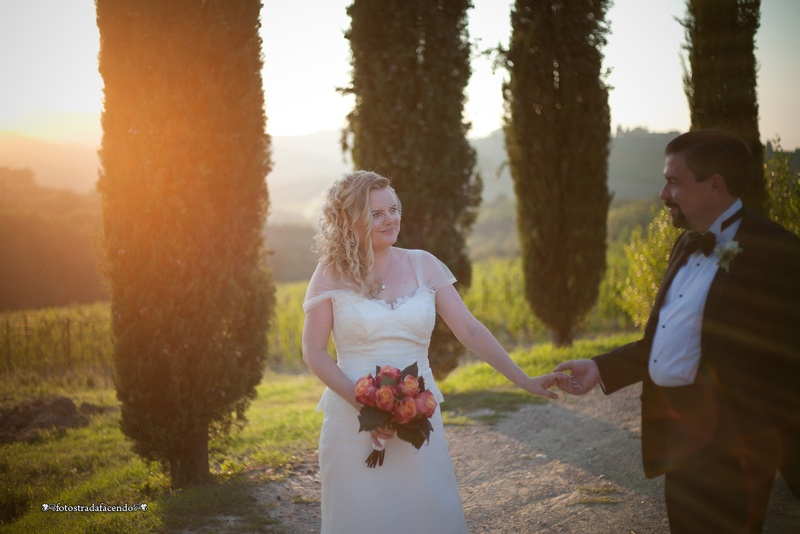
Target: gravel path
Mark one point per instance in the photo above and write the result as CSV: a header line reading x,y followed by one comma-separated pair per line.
x,y
568,466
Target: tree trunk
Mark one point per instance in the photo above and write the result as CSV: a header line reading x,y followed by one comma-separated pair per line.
x,y
560,339
190,466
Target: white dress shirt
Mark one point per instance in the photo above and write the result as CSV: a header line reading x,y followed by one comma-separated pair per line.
x,y
675,354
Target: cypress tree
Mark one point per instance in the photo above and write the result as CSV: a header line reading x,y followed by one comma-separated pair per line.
x,y
557,134
184,158
410,62
720,82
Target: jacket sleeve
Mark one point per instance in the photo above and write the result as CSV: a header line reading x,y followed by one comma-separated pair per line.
x,y
622,367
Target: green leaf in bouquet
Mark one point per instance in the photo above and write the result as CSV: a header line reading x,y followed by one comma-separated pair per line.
x,y
416,432
412,370
386,381
370,418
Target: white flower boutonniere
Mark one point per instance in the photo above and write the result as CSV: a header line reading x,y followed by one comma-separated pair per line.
x,y
727,253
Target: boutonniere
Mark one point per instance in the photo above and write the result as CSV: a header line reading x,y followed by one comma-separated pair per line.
x,y
727,253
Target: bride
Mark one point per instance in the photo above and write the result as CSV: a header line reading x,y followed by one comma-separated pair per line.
x,y
380,304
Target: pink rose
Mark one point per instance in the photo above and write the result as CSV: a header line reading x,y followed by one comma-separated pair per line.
x,y
384,398
409,386
405,410
426,404
389,375
365,390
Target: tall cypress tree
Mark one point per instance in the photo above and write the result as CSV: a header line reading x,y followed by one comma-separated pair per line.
x,y
184,158
411,67
720,83
557,134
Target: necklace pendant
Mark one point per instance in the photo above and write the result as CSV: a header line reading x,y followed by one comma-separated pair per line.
x,y
383,285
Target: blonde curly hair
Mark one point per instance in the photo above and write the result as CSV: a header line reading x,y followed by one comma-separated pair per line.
x,y
340,245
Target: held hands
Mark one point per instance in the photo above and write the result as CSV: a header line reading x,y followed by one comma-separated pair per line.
x,y
379,435
584,375
540,385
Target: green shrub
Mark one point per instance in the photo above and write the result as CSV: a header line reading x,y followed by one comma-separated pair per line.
x,y
647,254
783,185
497,299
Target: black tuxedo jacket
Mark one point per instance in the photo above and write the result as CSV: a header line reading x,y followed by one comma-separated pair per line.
x,y
746,397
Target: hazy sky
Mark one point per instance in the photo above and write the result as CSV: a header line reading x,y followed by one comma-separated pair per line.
x,y
48,61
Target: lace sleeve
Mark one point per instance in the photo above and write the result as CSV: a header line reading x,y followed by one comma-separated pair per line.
x,y
432,272
320,288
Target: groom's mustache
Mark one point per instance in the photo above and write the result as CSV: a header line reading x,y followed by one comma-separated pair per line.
x,y
670,204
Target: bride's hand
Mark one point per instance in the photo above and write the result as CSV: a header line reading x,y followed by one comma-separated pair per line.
x,y
381,434
540,385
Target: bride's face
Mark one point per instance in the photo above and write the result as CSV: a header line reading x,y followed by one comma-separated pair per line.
x,y
385,209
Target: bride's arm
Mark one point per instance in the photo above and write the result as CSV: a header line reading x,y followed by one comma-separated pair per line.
x,y
477,338
316,333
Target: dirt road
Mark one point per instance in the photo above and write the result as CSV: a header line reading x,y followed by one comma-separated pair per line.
x,y
568,466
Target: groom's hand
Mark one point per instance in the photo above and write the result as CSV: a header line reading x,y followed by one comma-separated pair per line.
x,y
584,376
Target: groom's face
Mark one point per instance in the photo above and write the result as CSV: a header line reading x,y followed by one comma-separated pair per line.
x,y
687,199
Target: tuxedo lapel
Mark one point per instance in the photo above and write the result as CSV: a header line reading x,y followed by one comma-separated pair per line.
x,y
676,260
715,293
723,276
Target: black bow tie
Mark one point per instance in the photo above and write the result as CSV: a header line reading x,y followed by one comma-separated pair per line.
x,y
703,242
706,241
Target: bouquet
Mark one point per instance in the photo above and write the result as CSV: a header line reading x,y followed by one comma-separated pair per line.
x,y
395,399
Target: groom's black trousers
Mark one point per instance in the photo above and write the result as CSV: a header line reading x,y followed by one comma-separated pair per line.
x,y
714,493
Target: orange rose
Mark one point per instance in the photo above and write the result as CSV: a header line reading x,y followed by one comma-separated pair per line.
x,y
426,404
365,390
389,375
384,398
405,410
409,386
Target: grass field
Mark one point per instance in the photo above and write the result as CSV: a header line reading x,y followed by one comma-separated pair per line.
x,y
96,464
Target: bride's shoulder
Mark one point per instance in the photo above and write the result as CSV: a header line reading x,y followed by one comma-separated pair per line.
x,y
325,278
421,260
416,254
428,265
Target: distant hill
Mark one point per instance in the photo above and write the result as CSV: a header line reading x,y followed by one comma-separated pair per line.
x,y
635,164
303,167
54,164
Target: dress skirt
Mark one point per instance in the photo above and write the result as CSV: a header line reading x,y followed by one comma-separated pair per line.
x,y
414,491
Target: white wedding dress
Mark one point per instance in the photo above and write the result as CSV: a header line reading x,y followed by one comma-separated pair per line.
x,y
414,491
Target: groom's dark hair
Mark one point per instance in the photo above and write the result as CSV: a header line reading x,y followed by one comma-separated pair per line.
x,y
710,152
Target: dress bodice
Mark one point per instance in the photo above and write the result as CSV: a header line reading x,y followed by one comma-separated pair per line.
x,y
370,332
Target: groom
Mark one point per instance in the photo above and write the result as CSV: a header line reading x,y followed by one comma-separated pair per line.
x,y
720,356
